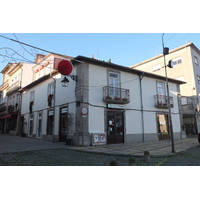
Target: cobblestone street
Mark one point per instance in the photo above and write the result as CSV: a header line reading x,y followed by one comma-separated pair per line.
x,y
190,157
65,157
19,151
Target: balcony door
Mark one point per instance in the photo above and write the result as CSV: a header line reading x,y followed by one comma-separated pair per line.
x,y
161,92
114,85
115,127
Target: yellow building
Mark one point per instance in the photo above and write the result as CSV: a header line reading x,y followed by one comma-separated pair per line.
x,y
186,67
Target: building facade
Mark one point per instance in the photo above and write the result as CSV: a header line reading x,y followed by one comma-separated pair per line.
x,y
15,76
104,103
186,67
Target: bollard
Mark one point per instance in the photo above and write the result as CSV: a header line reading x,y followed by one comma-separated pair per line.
x,y
113,163
132,161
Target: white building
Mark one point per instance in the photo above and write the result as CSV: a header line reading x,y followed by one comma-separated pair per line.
x,y
107,104
15,76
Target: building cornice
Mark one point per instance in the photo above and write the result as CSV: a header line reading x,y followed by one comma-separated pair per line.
x,y
40,80
82,59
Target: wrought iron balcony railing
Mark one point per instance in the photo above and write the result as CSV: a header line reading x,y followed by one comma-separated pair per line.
x,y
115,95
162,102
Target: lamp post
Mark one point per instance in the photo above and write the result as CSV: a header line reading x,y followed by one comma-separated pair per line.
x,y
165,52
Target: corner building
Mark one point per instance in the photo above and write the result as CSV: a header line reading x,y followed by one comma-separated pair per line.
x,y
104,103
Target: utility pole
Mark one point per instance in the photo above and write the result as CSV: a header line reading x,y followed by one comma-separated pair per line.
x,y
165,52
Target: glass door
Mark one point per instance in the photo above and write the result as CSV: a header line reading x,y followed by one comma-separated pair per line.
x,y
115,127
162,122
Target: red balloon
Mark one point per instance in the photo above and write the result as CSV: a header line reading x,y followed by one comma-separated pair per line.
x,y
65,67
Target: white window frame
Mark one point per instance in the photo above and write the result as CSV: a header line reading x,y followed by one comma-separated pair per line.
x,y
32,96
51,88
196,60
156,68
177,61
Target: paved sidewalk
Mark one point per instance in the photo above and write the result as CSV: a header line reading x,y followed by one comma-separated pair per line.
x,y
9,143
157,148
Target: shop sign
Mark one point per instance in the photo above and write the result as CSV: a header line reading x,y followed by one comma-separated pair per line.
x,y
116,106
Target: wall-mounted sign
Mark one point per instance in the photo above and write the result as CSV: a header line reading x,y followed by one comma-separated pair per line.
x,y
84,111
116,106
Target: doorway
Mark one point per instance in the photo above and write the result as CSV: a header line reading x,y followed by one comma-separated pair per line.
x,y
115,127
63,124
162,123
39,125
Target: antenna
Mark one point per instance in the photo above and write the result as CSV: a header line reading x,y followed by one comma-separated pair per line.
x,y
98,53
186,40
156,50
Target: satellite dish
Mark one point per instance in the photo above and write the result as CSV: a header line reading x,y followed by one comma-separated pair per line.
x,y
65,67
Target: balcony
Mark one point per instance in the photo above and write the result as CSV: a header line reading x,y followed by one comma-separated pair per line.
x,y
161,101
13,87
4,85
116,95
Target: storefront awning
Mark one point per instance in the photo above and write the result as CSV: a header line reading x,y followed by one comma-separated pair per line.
x,y
9,115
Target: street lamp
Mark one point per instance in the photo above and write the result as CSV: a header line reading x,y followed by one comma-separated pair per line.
x,y
65,82
165,52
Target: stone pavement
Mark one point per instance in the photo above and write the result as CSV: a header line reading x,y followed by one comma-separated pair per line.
x,y
9,143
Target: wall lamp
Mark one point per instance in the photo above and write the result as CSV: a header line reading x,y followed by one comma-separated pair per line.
x,y
65,80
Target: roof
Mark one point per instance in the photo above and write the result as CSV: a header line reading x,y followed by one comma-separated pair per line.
x,y
80,59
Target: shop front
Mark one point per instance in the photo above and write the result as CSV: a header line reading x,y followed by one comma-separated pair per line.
x,y
115,125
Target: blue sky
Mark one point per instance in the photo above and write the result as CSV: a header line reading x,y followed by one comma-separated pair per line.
x,y
122,48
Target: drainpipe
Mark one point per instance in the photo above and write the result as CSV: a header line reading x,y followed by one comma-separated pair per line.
x,y
54,108
141,76
19,106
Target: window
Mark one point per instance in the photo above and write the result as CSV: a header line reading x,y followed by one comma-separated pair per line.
x,y
32,96
50,122
51,89
198,79
196,60
177,61
156,68
160,88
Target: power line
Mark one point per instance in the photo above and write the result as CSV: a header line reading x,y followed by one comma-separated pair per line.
x,y
30,45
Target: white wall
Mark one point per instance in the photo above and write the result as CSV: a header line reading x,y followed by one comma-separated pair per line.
x,y
133,114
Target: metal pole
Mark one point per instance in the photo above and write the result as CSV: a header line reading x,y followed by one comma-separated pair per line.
x,y
168,99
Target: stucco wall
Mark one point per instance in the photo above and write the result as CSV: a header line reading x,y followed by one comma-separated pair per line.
x,y
98,78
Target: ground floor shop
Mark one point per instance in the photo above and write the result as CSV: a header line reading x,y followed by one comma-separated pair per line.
x,y
9,123
99,125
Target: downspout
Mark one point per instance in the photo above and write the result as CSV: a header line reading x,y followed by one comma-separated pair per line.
x,y
54,107
19,129
141,76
